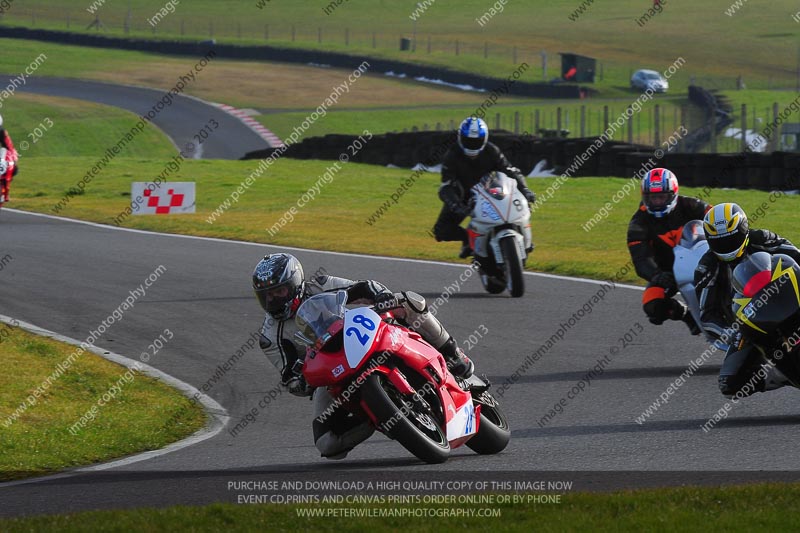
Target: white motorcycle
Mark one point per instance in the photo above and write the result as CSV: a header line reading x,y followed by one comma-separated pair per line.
x,y
688,253
500,233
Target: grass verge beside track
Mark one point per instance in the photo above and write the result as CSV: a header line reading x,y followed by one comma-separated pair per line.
x,y
67,127
40,442
337,218
761,507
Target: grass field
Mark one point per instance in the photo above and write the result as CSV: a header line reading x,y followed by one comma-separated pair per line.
x,y
606,30
40,442
258,84
763,507
66,127
337,219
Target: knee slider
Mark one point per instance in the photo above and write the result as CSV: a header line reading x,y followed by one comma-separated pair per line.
x,y
415,301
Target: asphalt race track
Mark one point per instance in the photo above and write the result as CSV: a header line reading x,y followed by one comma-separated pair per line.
x,y
67,277
180,121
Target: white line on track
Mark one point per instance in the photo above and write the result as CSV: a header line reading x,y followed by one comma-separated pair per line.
x,y
306,250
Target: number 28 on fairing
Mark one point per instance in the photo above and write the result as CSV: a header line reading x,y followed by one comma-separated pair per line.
x,y
360,330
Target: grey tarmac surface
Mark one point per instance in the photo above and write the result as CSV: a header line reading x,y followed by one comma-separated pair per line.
x,y
68,277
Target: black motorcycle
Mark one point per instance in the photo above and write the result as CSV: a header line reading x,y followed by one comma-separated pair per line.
x,y
767,305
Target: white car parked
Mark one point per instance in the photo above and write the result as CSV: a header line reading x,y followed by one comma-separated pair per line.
x,y
649,79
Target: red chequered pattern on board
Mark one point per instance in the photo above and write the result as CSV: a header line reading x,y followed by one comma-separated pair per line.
x,y
174,200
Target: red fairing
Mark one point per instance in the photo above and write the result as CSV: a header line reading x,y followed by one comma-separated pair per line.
x,y
472,236
331,369
425,360
8,144
11,156
757,282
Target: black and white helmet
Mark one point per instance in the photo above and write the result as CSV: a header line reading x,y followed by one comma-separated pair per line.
x,y
279,285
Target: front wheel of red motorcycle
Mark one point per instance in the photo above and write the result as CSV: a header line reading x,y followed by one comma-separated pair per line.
x,y
401,420
493,430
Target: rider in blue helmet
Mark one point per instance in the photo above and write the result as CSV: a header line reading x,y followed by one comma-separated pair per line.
x,y
464,165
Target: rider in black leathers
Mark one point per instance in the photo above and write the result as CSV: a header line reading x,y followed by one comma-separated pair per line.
x,y
730,240
463,167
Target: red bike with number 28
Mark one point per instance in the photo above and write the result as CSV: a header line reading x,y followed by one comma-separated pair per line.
x,y
380,370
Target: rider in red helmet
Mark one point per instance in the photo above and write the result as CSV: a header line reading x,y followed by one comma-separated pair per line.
x,y
654,230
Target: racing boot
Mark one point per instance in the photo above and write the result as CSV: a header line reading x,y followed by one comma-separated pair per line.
x,y
466,251
457,362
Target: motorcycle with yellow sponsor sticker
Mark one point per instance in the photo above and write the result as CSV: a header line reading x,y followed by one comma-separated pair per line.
x,y
767,304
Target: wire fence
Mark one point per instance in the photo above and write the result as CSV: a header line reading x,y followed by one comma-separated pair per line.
x,y
545,65
585,121
78,19
653,126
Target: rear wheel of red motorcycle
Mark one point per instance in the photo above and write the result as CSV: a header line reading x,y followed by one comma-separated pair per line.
x,y
418,432
493,432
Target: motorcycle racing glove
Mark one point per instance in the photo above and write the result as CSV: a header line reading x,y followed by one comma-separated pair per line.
x,y
665,280
295,383
449,195
368,290
385,301
529,195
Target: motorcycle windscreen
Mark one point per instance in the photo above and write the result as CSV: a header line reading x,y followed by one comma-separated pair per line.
x,y
495,186
753,273
360,330
318,313
692,233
